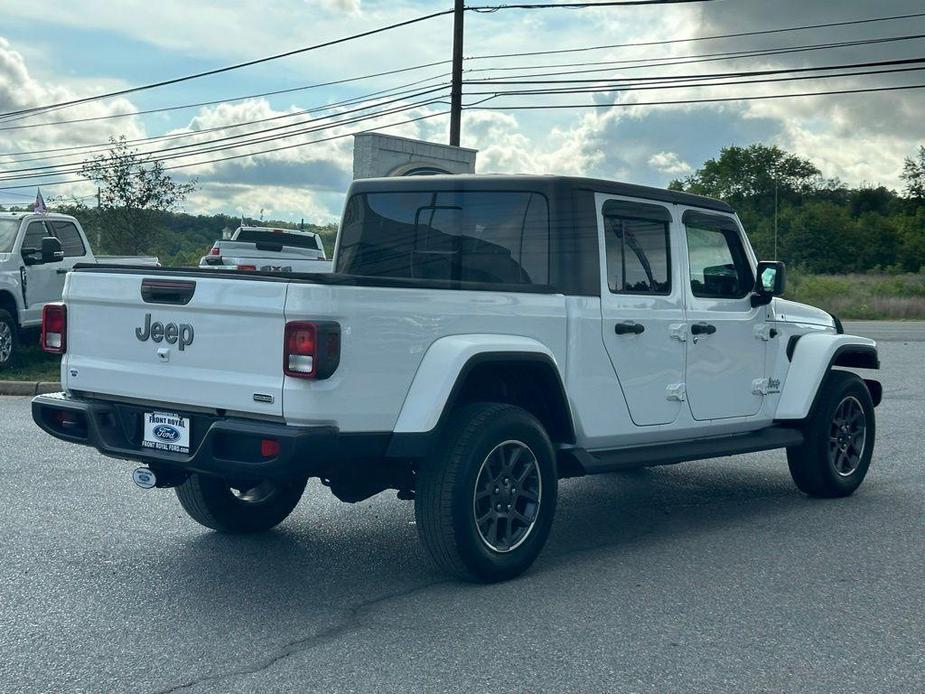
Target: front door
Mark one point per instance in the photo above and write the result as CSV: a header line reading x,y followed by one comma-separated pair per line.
x,y
45,282
727,339
641,306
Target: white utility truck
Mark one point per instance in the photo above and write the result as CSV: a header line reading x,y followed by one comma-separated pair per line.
x,y
480,338
268,250
36,252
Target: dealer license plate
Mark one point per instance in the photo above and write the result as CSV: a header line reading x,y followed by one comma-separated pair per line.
x,y
166,432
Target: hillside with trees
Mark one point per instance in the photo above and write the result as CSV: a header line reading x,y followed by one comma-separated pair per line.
x,y
824,226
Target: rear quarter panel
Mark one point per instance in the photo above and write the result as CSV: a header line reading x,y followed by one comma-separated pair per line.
x,y
385,335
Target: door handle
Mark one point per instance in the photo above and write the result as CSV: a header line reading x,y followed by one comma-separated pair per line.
x,y
702,329
629,328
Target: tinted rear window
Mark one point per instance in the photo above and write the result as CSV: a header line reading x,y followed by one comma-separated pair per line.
x,y
487,237
296,240
71,243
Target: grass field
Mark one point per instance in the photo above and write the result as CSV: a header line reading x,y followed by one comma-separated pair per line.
x,y
862,297
32,364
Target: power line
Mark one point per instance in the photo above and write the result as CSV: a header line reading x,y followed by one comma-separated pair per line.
x,y
199,104
715,37
689,85
522,79
692,101
652,82
229,68
720,75
49,184
104,146
576,5
747,53
206,146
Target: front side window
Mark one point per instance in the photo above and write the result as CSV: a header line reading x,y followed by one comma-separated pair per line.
x,y
718,263
638,248
35,232
471,236
71,243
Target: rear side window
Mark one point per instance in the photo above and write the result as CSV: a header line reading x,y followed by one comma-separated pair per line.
x,y
718,263
71,243
637,242
472,237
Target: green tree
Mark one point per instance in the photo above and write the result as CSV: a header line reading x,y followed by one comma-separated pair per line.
x,y
133,190
752,172
913,176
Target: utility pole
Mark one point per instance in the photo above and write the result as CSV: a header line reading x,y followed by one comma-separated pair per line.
x,y
99,217
456,91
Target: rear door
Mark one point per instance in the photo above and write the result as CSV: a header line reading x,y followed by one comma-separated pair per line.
x,y
642,307
726,349
190,340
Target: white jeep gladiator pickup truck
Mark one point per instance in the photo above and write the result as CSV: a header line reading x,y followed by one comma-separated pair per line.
x,y
268,250
480,338
36,252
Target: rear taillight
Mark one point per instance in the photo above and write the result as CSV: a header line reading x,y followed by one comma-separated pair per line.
x,y
246,267
54,328
215,250
311,349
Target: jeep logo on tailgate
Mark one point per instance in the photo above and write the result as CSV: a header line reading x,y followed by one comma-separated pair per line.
x,y
173,333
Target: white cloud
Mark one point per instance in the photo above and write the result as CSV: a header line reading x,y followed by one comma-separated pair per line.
x,y
670,163
352,7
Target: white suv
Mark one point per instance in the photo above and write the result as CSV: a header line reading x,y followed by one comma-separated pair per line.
x,y
480,338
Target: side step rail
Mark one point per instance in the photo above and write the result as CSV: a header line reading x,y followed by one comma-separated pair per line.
x,y
592,463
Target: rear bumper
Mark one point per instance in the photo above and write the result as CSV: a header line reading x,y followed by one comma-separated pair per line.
x,y
224,446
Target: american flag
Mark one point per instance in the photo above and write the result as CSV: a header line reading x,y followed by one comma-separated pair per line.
x,y
39,205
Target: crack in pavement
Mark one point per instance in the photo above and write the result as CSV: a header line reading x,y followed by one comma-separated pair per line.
x,y
352,621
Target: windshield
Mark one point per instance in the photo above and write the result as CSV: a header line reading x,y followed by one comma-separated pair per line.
x,y
8,230
297,240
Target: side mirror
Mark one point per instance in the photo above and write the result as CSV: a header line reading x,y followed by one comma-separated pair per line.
x,y
771,281
51,250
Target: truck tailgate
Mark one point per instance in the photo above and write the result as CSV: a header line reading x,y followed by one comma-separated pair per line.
x,y
220,349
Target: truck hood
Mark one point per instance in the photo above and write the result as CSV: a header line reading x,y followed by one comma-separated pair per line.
x,y
792,312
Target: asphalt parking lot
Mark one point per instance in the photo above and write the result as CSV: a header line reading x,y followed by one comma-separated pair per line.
x,y
708,576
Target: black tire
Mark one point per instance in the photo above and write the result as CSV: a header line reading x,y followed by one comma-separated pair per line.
x,y
9,339
446,499
212,502
832,462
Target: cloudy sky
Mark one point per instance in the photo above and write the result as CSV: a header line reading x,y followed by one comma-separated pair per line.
x,y
95,46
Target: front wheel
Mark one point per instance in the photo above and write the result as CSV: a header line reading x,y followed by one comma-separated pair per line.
x,y
486,499
238,507
839,439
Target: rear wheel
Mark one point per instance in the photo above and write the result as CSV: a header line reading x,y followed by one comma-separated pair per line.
x,y
485,501
8,339
238,507
839,439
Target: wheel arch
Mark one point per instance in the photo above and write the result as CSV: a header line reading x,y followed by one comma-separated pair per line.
x,y
8,303
470,368
813,357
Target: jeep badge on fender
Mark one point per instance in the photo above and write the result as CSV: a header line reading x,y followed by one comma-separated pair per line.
x,y
172,333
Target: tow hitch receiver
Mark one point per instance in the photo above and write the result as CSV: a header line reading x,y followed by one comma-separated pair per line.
x,y
144,478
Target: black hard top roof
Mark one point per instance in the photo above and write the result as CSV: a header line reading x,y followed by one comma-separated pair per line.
x,y
531,182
